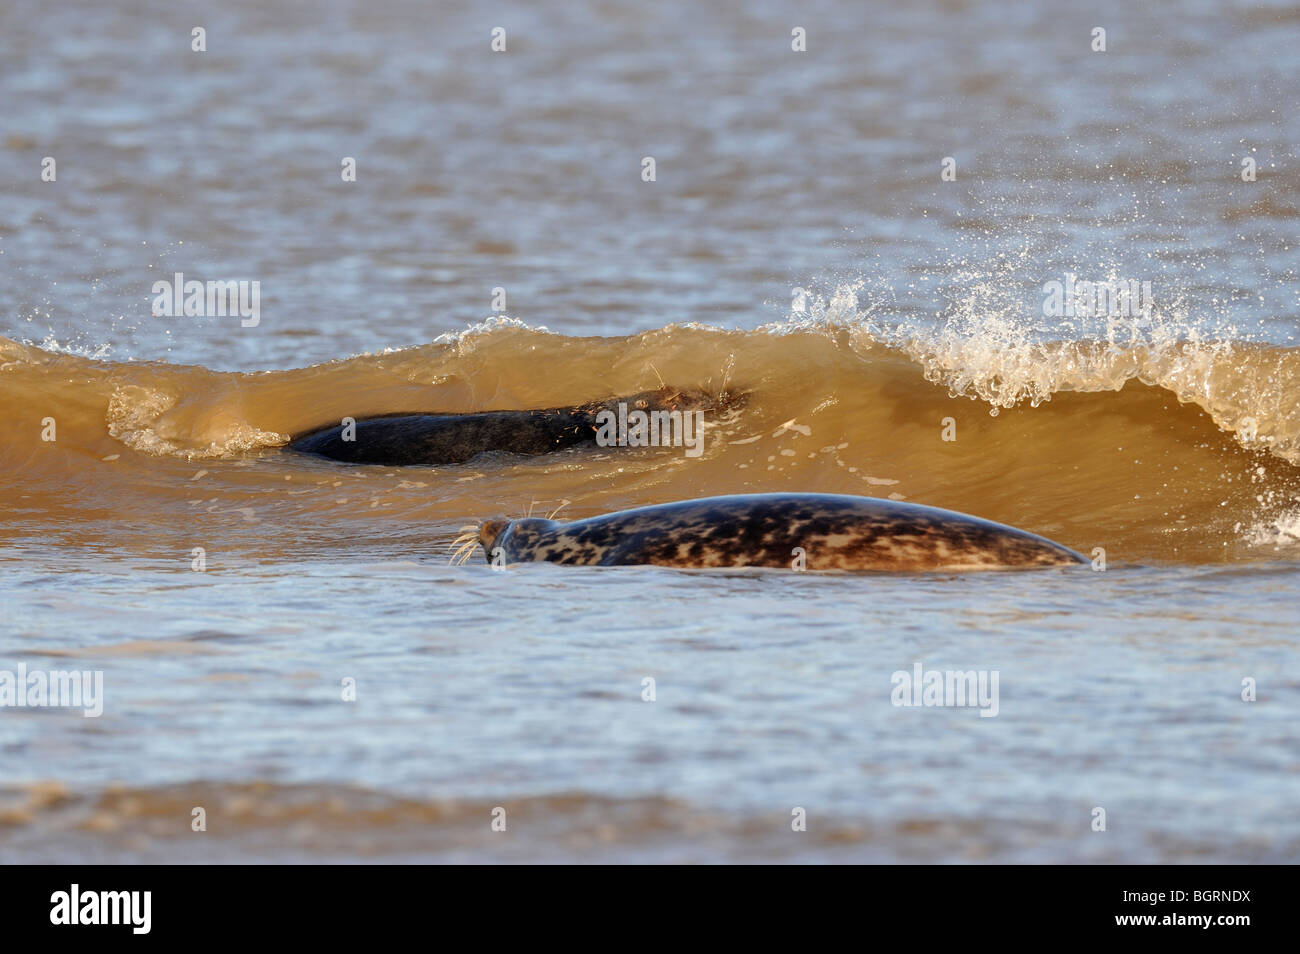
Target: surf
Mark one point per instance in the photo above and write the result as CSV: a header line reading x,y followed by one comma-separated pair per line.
x,y
1183,451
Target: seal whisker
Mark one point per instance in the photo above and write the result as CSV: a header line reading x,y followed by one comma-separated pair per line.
x,y
463,546
462,555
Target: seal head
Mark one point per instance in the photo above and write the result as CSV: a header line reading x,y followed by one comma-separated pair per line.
x,y
517,536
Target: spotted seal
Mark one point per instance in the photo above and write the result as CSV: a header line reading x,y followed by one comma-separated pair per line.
x,y
825,531
433,439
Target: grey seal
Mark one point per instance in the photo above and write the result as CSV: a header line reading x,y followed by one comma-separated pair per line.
x,y
430,439
804,530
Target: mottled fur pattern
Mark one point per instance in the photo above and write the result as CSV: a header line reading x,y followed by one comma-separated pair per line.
x,y
434,439
835,532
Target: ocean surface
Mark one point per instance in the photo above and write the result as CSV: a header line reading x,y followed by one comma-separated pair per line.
x,y
286,643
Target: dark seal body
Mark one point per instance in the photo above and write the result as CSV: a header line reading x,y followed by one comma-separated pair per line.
x,y
432,439
831,531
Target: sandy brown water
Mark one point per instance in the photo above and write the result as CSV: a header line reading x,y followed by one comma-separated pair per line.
x,y
798,246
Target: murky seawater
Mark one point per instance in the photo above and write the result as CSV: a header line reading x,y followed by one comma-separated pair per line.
x,y
797,245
